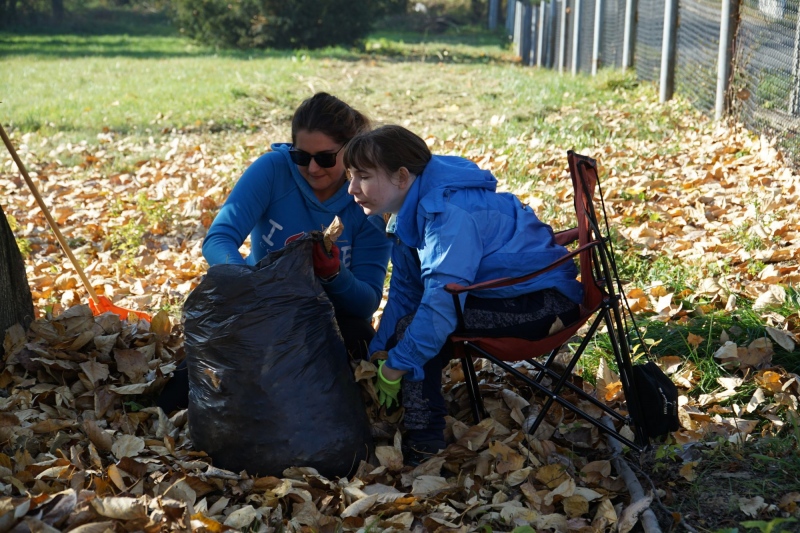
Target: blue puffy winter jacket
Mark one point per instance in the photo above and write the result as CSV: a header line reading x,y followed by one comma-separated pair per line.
x,y
463,232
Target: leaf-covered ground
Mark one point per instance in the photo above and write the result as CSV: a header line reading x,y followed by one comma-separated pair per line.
x,y
84,451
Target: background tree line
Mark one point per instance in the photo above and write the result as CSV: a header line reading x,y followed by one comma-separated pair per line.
x,y
256,23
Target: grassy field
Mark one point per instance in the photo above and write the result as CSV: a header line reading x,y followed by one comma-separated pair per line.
x,y
70,87
138,84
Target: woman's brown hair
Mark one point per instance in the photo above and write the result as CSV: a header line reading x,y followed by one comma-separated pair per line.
x,y
329,115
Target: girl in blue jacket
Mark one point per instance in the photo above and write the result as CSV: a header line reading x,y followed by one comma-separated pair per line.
x,y
449,225
300,187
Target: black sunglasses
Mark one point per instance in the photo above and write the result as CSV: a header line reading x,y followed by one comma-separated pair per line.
x,y
302,158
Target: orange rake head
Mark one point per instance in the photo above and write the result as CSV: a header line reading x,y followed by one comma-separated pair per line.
x,y
104,305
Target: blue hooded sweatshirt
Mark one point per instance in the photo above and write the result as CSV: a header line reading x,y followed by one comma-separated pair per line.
x,y
272,201
463,232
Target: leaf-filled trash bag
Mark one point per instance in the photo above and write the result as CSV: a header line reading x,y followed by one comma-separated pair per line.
x,y
270,384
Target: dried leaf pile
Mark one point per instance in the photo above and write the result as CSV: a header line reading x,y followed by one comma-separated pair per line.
x,y
84,452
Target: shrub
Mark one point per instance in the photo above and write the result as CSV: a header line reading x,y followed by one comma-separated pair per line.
x,y
280,23
30,12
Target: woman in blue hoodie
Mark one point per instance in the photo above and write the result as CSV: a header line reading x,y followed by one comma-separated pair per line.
x,y
300,187
449,225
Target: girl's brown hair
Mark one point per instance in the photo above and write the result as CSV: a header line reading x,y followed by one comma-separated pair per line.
x,y
388,147
329,115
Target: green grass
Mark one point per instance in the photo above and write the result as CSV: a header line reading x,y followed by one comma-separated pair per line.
x,y
742,326
68,88
725,472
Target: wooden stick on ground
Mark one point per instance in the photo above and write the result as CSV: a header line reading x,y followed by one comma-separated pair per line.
x,y
647,516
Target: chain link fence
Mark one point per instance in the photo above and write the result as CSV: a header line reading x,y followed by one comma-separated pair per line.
x,y
611,29
649,32
765,84
585,36
757,84
697,52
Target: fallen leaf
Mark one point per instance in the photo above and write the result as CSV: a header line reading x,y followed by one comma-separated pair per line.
x,y
119,507
630,515
127,446
752,506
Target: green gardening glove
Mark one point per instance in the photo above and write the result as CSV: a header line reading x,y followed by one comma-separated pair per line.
x,y
387,390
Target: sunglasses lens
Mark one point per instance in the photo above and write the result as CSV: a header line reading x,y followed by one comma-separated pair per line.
x,y
300,158
325,160
303,159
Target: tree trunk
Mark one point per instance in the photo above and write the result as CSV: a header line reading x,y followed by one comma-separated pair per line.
x,y
58,10
16,303
479,10
8,13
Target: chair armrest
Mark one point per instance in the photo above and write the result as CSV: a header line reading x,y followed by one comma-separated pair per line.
x,y
455,288
567,236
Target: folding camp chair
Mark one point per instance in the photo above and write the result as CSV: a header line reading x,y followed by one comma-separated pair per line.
x,y
601,305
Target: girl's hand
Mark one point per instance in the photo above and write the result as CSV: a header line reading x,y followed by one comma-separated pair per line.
x,y
388,389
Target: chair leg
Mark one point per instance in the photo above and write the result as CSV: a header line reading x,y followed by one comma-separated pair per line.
x,y
553,395
542,367
471,379
555,375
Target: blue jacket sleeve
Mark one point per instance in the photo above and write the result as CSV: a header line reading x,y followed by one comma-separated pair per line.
x,y
239,214
452,254
405,294
358,290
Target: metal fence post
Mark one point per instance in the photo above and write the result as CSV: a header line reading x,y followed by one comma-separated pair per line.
x,y
552,33
628,40
576,32
517,39
511,9
667,79
562,44
795,96
533,25
598,25
727,29
540,34
494,13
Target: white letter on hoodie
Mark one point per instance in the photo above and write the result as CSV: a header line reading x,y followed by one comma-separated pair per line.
x,y
268,238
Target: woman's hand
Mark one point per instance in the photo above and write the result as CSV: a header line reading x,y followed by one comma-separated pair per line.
x,y
325,266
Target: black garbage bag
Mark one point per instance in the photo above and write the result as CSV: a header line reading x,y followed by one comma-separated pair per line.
x,y
270,384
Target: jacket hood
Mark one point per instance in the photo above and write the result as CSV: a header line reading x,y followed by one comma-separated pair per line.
x,y
335,204
429,192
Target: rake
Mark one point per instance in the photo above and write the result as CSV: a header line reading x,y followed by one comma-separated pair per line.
x,y
98,304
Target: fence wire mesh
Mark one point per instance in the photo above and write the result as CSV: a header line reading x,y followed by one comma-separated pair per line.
x,y
563,44
649,34
612,33
586,36
766,88
764,93
697,51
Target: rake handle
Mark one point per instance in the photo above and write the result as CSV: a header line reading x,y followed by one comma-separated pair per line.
x,y
49,217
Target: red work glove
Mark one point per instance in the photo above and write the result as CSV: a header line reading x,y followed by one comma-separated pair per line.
x,y
325,266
